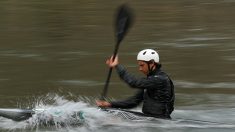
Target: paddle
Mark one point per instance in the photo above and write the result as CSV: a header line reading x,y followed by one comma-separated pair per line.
x,y
124,19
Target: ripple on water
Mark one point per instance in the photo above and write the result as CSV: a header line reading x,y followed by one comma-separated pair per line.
x,y
81,82
188,84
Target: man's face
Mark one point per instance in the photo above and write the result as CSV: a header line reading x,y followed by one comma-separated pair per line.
x,y
143,67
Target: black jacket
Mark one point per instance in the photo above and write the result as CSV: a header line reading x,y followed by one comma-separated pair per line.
x,y
156,91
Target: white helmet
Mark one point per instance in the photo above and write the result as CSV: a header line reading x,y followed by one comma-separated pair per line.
x,y
148,55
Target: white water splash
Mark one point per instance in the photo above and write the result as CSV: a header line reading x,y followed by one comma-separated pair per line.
x,y
61,114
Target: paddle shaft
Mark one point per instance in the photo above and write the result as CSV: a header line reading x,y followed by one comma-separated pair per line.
x,y
105,90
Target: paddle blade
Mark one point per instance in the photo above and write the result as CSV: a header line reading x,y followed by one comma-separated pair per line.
x,y
124,20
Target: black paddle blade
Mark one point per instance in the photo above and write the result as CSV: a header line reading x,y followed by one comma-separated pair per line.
x,y
124,20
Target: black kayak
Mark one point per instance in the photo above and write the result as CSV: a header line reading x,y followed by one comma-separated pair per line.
x,y
17,114
78,116
24,114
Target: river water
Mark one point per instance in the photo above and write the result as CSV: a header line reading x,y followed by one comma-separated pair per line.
x,y
53,53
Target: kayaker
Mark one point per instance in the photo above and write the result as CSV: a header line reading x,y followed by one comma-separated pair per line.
x,y
156,91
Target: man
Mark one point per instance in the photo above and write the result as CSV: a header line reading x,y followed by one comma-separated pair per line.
x,y
156,91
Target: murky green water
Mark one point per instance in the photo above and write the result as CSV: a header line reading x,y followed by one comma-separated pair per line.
x,y
59,47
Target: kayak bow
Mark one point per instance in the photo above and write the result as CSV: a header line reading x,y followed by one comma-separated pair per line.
x,y
16,114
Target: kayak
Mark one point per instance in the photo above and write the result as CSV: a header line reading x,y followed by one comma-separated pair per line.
x,y
129,115
25,114
78,117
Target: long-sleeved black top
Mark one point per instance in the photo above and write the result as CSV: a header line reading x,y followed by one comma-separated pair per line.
x,y
156,91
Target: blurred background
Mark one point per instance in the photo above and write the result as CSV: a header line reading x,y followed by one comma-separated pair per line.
x,y
60,47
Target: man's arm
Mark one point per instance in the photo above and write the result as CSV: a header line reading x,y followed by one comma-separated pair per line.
x,y
126,104
132,81
142,83
130,102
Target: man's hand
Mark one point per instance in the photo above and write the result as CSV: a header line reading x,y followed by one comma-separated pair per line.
x,y
112,63
102,103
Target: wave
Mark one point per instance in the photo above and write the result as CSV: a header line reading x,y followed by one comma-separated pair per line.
x,y
188,84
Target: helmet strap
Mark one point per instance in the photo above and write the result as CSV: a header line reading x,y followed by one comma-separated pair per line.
x,y
150,69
